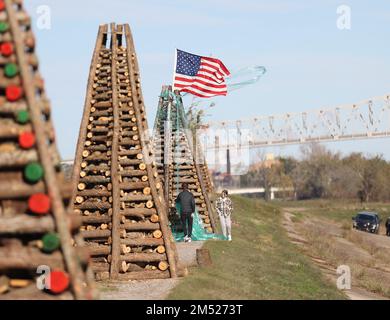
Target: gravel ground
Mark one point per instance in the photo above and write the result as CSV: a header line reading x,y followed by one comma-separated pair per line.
x,y
150,289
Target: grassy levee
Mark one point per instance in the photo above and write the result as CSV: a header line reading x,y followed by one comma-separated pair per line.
x,y
260,262
327,227
338,210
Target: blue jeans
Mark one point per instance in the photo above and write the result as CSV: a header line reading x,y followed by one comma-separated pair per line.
x,y
186,220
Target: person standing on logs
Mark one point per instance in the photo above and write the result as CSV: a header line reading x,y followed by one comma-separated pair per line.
x,y
224,206
187,203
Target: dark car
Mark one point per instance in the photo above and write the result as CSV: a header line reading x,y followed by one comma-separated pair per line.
x,y
367,221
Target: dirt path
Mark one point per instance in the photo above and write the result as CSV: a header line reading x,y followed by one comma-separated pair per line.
x,y
157,289
332,230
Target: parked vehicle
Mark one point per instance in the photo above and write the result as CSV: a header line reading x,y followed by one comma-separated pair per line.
x,y
367,221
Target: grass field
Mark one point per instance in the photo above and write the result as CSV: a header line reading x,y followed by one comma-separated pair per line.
x,y
338,210
260,262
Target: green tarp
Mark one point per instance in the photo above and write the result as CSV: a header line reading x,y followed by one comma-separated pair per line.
x,y
198,232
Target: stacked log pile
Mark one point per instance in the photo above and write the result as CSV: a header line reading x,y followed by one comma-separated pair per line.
x,y
207,178
176,164
37,236
117,191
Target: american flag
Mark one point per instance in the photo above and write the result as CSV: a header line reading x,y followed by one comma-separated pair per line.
x,y
201,76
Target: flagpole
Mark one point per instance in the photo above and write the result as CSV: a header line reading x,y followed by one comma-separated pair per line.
x,y
174,71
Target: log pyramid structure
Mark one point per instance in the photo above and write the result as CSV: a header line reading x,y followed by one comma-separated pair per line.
x,y
173,145
209,185
37,235
117,191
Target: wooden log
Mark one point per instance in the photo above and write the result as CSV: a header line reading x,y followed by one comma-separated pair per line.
x,y
95,219
184,173
90,234
104,123
33,293
4,284
130,162
149,204
99,147
28,258
141,226
94,193
103,104
114,267
128,152
128,142
81,186
144,257
130,267
154,218
133,185
95,179
160,249
199,201
100,130
93,168
17,158
19,189
138,212
144,275
101,276
133,198
13,130
11,108
146,191
101,158
100,267
187,180
19,283
99,250
163,265
203,257
186,167
100,138
132,173
93,205
157,234
23,224
137,242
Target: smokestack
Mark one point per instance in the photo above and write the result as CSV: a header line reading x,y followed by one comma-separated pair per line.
x,y
228,168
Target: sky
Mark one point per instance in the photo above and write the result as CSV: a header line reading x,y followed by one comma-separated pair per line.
x,y
310,62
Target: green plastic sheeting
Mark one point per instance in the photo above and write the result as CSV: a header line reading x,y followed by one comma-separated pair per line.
x,y
198,232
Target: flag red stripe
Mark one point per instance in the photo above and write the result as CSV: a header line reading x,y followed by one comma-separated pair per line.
x,y
215,69
213,74
189,82
219,62
202,95
212,69
200,88
195,86
207,78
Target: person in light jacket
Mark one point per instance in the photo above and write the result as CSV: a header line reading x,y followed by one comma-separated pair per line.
x,y
224,207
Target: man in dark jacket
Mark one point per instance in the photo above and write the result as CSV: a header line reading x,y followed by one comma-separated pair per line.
x,y
187,203
388,227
